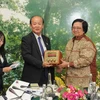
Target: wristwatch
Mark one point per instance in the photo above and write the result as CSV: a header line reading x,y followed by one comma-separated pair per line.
x,y
68,65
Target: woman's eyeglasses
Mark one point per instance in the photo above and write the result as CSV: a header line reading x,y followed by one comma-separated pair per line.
x,y
76,28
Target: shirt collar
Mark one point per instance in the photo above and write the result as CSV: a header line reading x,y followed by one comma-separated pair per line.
x,y
37,35
78,37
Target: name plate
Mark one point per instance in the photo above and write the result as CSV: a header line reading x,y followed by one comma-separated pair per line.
x,y
53,56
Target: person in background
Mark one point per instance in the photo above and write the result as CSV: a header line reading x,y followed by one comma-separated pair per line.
x,y
80,56
35,69
3,62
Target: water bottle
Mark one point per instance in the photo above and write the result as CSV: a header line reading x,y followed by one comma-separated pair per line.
x,y
89,88
49,79
55,87
90,85
93,86
94,95
98,93
43,96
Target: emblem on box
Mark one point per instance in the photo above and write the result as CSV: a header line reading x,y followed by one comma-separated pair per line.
x,y
53,56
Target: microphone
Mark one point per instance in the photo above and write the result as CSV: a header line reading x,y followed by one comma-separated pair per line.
x,y
12,91
14,87
22,86
25,91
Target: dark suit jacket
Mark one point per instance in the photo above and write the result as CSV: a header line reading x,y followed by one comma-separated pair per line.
x,y
32,58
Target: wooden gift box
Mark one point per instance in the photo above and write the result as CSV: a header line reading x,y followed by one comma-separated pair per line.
x,y
53,56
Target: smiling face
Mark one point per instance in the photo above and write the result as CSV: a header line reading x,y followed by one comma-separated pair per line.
x,y
37,25
77,29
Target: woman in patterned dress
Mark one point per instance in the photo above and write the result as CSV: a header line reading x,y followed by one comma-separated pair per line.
x,y
80,56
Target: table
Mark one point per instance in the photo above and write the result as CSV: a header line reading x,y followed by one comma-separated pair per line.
x,y
16,90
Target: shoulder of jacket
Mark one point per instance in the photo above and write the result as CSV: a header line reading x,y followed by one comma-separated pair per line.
x,y
28,35
44,36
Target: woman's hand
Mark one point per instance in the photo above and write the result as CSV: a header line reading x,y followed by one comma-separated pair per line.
x,y
7,69
60,67
63,64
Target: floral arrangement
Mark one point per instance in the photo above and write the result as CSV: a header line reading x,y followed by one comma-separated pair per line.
x,y
98,78
71,93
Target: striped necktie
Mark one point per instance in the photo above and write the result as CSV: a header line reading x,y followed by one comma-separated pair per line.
x,y
42,51
41,47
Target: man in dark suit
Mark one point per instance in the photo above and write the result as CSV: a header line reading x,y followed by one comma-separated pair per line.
x,y
35,69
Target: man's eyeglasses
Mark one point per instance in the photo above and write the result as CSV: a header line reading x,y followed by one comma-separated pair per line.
x,y
77,28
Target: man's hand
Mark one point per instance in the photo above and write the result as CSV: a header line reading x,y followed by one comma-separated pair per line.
x,y
46,64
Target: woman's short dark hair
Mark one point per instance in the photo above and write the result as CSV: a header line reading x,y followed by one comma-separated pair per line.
x,y
84,24
35,16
